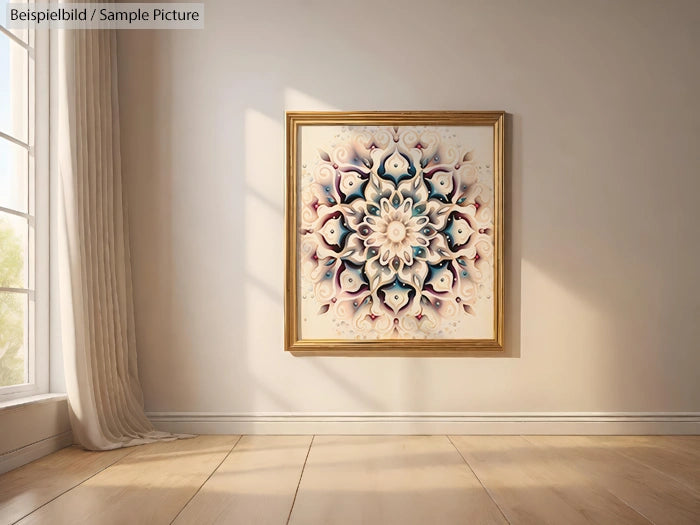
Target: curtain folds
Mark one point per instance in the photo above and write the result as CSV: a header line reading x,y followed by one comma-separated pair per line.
x,y
94,275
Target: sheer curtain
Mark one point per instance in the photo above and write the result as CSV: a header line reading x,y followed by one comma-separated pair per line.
x,y
94,275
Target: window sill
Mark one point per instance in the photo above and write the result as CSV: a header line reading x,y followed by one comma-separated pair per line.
x,y
31,400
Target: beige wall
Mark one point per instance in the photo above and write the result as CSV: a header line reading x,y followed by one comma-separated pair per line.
x,y
603,251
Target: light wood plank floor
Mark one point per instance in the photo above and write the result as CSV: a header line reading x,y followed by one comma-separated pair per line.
x,y
307,480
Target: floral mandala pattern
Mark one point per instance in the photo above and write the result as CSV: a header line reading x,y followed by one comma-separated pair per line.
x,y
396,232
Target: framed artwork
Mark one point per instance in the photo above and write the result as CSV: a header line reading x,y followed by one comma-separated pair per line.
x,y
394,233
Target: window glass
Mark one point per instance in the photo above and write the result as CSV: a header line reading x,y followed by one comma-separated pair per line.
x,y
14,88
13,339
14,176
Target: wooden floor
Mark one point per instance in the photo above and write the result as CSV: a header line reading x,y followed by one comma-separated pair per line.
x,y
364,480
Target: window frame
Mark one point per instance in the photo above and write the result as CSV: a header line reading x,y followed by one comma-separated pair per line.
x,y
37,215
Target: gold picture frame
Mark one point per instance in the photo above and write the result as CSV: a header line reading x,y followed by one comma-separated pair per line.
x,y
427,206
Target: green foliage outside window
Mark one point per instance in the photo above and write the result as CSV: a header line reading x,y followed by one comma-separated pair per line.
x,y
11,308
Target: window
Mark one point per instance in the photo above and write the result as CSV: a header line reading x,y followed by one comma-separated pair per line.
x,y
23,211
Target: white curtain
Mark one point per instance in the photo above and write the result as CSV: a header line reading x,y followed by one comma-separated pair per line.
x,y
97,320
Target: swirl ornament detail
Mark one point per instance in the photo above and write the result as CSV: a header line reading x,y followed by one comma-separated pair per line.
x,y
396,232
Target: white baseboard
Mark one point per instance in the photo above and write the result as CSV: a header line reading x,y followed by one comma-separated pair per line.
x,y
428,423
22,456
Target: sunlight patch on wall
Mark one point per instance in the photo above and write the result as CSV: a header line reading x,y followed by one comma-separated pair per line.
x,y
264,159
295,100
569,329
556,313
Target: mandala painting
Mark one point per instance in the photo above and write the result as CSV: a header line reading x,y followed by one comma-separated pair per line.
x,y
396,232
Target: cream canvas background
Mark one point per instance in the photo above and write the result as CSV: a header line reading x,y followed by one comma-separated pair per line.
x,y
601,188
